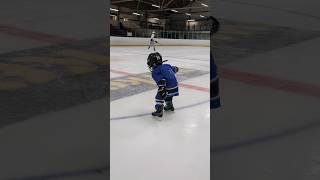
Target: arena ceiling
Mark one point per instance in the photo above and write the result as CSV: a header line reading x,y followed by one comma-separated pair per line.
x,y
164,6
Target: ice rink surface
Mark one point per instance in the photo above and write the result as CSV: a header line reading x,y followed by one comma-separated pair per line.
x,y
267,128
175,146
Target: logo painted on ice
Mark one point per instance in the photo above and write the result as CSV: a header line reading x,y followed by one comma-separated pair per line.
x,y
134,84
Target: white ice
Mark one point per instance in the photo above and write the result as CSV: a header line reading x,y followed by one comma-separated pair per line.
x,y
174,147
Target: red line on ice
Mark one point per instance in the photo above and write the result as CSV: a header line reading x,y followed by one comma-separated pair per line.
x,y
198,88
121,72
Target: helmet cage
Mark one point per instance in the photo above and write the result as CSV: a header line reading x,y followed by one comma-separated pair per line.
x,y
154,59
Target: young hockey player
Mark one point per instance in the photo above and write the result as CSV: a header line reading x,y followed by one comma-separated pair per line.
x,y
153,42
164,76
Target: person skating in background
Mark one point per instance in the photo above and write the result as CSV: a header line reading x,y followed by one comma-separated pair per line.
x,y
165,78
152,42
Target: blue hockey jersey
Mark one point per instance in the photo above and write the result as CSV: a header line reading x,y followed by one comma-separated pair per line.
x,y
165,73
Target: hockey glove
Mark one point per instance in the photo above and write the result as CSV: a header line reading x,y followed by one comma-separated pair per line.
x,y
162,92
175,69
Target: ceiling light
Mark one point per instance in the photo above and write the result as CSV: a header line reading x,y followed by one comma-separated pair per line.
x,y
202,16
174,10
136,14
204,5
155,5
188,14
114,9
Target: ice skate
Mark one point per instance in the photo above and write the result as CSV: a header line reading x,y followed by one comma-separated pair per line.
x,y
169,107
158,113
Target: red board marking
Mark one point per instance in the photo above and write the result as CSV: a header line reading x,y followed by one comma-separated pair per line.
x,y
271,82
